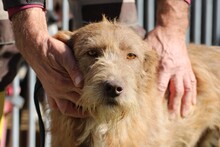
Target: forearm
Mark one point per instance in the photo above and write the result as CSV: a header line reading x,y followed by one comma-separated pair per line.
x,y
173,14
30,30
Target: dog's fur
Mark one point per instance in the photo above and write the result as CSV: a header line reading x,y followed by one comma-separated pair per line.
x,y
137,117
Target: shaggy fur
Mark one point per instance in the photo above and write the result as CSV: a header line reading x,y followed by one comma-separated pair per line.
x,y
111,53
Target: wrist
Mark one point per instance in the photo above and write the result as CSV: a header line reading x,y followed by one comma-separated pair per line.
x,y
173,14
162,39
171,32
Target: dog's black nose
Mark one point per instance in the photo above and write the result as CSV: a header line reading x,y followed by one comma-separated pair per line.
x,y
112,90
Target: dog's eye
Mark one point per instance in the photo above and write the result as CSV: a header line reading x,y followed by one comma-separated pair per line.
x,y
131,56
93,53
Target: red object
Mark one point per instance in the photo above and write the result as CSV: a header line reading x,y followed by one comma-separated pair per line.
x,y
9,90
12,11
7,107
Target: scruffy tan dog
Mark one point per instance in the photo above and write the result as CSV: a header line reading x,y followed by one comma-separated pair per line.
x,y
121,96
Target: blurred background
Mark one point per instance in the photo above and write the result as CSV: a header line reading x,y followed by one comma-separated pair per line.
x,y
19,124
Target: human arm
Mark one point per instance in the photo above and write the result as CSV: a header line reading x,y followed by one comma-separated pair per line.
x,y
51,59
168,39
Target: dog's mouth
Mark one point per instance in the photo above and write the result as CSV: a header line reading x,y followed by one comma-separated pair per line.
x,y
110,101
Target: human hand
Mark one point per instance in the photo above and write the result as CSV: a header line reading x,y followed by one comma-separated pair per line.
x,y
60,78
51,59
175,70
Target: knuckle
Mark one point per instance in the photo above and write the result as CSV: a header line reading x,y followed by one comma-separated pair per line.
x,y
175,106
162,87
63,111
188,89
187,104
193,80
194,83
179,93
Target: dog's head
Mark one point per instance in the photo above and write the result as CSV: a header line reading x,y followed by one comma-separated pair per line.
x,y
117,65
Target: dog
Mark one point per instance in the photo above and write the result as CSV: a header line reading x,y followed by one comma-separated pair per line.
x,y
120,93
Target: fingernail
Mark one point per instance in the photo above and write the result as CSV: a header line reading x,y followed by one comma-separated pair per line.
x,y
78,81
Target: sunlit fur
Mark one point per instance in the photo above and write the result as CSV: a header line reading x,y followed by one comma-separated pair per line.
x,y
139,118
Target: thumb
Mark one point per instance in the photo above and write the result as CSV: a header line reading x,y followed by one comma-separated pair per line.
x,y
73,70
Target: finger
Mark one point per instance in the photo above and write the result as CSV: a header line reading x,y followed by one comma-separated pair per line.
x,y
72,96
194,88
163,82
52,103
187,97
176,93
61,56
70,109
72,69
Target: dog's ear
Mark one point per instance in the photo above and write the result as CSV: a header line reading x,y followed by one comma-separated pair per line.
x,y
65,37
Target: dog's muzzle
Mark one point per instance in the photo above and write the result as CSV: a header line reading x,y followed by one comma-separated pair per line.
x,y
111,92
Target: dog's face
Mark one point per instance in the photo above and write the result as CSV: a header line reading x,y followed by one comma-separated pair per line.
x,y
114,61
